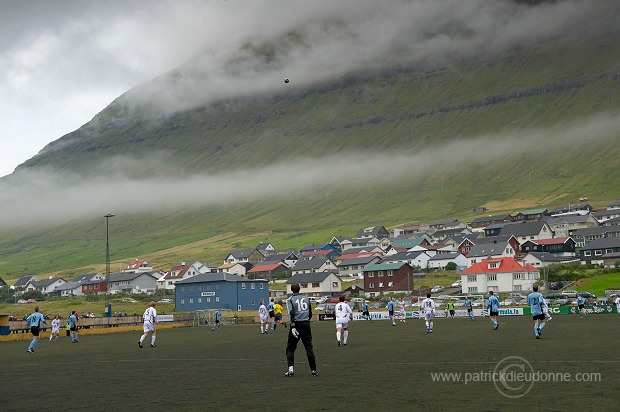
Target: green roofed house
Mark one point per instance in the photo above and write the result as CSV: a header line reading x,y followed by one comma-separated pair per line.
x,y
384,277
531,214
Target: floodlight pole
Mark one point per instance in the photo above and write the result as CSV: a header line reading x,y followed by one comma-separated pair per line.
x,y
107,259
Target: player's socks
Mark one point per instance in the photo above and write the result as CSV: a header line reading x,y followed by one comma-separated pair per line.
x,y
153,340
338,336
542,325
346,336
76,336
536,330
141,338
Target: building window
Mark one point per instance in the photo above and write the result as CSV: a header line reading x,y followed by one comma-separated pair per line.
x,y
472,278
517,276
492,265
390,284
371,275
472,289
598,252
491,277
517,287
494,288
208,286
243,286
208,300
217,299
199,300
316,285
191,300
182,288
191,288
390,273
199,288
587,253
253,302
217,286
261,285
182,301
253,286
380,284
303,285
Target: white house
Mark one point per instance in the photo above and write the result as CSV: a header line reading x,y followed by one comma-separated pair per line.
x,y
499,275
318,264
490,250
69,289
133,282
139,265
419,258
45,286
235,268
316,283
541,259
179,272
442,259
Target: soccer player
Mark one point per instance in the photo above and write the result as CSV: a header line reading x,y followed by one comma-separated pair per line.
x,y
343,315
537,303
470,308
366,311
34,320
73,327
428,307
451,308
300,313
545,307
270,307
617,302
493,305
390,308
581,306
401,309
277,311
217,315
55,328
264,317
150,320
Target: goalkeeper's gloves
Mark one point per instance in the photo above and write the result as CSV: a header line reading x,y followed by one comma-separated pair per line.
x,y
294,332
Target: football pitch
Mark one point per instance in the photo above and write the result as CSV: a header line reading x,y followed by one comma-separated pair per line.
x,y
463,365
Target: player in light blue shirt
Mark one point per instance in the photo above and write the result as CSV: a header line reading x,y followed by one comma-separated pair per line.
x,y
34,321
493,305
470,308
218,316
390,308
270,308
581,304
537,304
73,328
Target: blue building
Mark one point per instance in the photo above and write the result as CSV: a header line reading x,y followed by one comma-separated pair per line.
x,y
220,290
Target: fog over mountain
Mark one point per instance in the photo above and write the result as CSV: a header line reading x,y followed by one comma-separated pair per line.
x,y
207,51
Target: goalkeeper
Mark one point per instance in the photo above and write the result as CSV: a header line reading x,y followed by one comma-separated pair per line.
x,y
300,313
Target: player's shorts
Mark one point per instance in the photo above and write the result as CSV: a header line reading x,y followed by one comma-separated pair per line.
x,y
493,313
391,312
539,317
149,327
271,313
34,330
264,320
366,313
429,315
470,310
580,306
73,329
452,312
342,323
278,317
55,330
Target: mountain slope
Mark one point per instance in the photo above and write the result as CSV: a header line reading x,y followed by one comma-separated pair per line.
x,y
533,126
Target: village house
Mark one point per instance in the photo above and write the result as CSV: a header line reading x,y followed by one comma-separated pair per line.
x,y
562,247
316,283
541,259
502,274
478,224
598,251
440,261
252,256
319,264
386,277
269,270
133,282
45,286
564,226
485,251
179,272
355,266
219,290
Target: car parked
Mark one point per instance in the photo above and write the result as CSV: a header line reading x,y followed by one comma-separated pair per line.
x,y
516,296
552,296
562,302
437,289
166,300
556,285
603,300
129,300
588,295
360,300
457,284
326,307
570,293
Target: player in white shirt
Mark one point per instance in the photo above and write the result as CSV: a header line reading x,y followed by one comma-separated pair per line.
x,y
401,313
263,314
428,307
617,302
150,320
545,308
55,328
343,315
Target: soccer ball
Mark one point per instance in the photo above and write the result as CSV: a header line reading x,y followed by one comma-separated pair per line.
x,y
286,80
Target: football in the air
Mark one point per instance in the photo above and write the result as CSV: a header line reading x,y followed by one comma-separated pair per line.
x,y
286,80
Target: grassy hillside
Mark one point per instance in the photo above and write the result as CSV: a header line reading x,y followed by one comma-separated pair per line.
x,y
405,109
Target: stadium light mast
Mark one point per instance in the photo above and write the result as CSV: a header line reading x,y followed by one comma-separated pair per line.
x,y
107,261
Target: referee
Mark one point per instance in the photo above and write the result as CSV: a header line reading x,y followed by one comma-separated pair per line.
x,y
300,313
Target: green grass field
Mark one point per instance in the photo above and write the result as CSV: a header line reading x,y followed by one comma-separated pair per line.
x,y
382,368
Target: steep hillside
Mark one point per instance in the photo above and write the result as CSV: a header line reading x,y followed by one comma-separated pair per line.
x,y
530,127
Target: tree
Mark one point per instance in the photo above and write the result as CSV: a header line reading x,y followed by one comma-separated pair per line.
x,y
451,266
